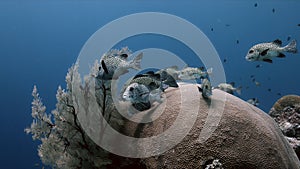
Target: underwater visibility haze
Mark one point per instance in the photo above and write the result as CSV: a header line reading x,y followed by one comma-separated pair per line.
x,y
40,40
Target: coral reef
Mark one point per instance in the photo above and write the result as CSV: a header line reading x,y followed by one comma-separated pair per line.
x,y
286,112
246,137
215,164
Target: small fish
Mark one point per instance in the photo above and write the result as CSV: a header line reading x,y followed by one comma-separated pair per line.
x,y
258,66
237,41
229,88
114,65
253,101
298,24
255,5
205,88
288,38
273,10
257,83
227,25
212,29
192,73
266,51
225,60
269,90
252,76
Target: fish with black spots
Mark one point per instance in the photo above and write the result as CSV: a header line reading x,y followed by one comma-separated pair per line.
x,y
113,65
266,51
192,73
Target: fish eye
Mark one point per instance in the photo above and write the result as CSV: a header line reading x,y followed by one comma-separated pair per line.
x,y
131,89
251,51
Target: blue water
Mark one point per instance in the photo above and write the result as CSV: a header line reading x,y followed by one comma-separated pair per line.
x,y
40,40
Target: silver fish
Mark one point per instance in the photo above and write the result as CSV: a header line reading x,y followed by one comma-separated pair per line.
x,y
228,87
192,73
266,51
141,97
205,88
173,71
154,80
114,64
253,101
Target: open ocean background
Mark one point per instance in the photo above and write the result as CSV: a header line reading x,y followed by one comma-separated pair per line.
x,y
40,40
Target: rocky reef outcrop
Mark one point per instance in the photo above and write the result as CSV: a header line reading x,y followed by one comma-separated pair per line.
x,y
286,112
242,136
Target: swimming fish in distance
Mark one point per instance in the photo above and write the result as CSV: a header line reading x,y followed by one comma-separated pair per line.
x,y
253,101
266,51
229,88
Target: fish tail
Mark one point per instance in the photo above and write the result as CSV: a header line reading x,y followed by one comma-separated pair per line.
x,y
239,90
168,79
136,62
291,47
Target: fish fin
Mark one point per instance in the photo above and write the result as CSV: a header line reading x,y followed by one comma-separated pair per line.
x,y
150,72
168,79
281,55
264,52
104,66
291,47
202,68
268,60
156,76
152,86
200,89
174,67
139,75
136,62
163,87
239,90
277,42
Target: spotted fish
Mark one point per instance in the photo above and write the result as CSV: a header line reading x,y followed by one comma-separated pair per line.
x,y
267,51
115,64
